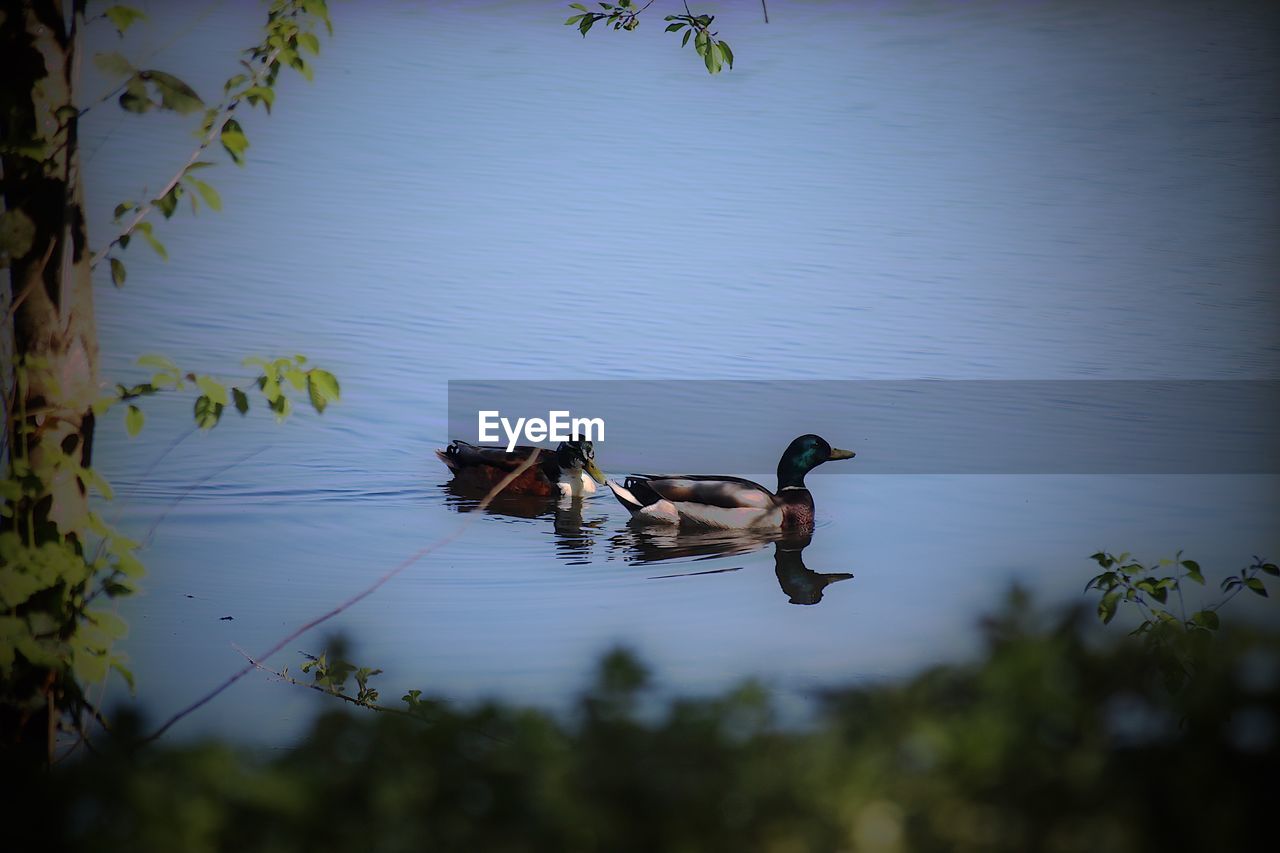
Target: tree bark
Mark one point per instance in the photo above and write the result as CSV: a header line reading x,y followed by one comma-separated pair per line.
x,y
51,347
53,334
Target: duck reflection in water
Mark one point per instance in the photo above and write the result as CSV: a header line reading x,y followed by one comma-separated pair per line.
x,y
801,584
574,533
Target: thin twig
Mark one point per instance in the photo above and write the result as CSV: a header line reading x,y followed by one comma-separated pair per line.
x,y
360,596
766,11
35,281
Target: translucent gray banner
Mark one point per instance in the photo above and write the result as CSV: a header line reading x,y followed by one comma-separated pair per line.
x,y
902,427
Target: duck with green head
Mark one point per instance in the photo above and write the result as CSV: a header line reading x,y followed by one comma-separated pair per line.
x,y
731,502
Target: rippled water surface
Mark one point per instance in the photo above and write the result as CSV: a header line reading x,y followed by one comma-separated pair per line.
x,y
877,191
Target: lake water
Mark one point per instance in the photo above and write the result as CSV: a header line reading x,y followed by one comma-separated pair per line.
x,y
472,191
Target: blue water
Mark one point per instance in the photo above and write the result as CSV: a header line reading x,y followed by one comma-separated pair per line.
x,y
877,191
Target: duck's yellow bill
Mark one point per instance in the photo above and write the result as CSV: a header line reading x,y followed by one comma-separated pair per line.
x,y
837,453
594,471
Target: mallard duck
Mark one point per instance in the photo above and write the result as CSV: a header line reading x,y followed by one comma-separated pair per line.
x,y
731,502
568,470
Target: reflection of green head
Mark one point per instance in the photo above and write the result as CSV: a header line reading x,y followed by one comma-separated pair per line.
x,y
803,455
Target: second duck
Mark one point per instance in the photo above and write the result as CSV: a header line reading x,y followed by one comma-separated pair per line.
x,y
731,502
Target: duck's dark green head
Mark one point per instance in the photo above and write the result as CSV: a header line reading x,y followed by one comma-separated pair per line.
x,y
803,455
579,454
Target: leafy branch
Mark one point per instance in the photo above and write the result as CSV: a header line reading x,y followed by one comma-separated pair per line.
x,y
274,378
330,679
715,52
288,35
51,584
1178,638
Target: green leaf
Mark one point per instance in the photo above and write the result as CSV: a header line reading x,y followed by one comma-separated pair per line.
x,y
309,42
297,63
684,41
113,64
174,94
1195,576
325,381
207,412
93,480
133,418
213,389
168,202
1206,619
281,406
1270,568
155,244
265,94
234,141
241,400
125,673
1256,585
270,386
159,362
208,193
322,387
711,57
122,17
1107,607
110,624
89,665
117,272
671,28
135,99
578,6
728,54
102,405
129,565
296,378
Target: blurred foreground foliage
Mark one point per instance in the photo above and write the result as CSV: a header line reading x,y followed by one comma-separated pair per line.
x,y
1053,739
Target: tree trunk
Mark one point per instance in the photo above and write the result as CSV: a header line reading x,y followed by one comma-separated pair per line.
x,y
51,297
51,348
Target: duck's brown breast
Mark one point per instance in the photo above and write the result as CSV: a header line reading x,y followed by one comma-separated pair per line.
x,y
797,508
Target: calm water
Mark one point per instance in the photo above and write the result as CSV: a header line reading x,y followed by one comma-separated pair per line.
x,y
878,191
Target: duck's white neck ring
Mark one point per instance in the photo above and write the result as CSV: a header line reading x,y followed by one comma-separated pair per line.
x,y
790,488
